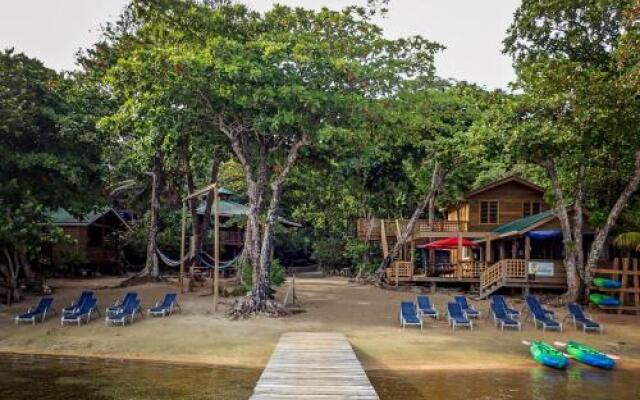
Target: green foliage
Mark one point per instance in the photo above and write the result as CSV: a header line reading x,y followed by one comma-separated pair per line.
x,y
577,107
627,240
277,275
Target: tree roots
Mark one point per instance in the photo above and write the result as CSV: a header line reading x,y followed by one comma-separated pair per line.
x,y
249,306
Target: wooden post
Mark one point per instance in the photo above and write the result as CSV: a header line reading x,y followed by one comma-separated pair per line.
x,y
527,256
636,286
216,246
514,249
182,240
383,239
459,250
502,250
624,280
487,256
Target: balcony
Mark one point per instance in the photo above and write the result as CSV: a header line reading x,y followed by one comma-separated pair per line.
x,y
392,228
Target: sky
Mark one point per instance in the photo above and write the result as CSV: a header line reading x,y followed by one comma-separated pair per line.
x,y
472,30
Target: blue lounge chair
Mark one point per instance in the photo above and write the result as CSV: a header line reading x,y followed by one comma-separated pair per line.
x,y
84,296
117,306
467,309
40,311
579,317
408,315
456,316
425,308
166,307
82,313
501,301
540,316
124,314
502,318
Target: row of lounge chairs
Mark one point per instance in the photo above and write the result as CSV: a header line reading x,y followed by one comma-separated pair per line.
x,y
460,314
120,312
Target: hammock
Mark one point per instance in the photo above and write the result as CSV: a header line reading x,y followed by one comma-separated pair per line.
x,y
203,258
170,262
208,261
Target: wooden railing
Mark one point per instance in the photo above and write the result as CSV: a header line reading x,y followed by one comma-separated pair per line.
x,y
399,269
503,270
441,226
463,269
392,226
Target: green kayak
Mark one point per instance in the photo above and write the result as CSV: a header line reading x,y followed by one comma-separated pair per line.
x,y
603,300
589,355
607,283
548,355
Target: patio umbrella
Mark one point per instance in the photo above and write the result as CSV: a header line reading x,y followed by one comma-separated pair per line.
x,y
448,243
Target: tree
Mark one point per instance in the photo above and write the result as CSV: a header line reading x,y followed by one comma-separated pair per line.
x,y
272,83
156,123
50,156
577,118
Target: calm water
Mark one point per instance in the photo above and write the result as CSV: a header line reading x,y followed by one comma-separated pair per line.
x,y
539,383
55,379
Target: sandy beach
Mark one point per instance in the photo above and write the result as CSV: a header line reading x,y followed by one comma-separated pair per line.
x,y
366,314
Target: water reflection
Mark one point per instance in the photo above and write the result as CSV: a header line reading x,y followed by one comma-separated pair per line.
x,y
32,378
539,383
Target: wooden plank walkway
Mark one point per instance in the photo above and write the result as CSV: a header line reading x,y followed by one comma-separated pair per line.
x,y
310,365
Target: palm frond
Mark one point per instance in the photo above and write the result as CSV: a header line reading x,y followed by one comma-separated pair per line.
x,y
627,240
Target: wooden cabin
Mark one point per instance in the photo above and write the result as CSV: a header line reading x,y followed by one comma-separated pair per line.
x,y
95,238
498,203
518,237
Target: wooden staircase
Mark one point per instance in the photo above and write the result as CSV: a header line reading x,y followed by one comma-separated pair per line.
x,y
500,274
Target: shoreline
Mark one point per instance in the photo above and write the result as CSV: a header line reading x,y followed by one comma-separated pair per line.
x,y
366,315
624,365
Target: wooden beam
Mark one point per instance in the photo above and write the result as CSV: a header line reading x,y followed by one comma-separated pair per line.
x,y
182,240
200,192
216,248
383,236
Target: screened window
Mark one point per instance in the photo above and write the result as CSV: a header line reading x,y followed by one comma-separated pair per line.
x,y
530,208
489,212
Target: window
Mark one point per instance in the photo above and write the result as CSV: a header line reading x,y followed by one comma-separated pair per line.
x,y
530,208
489,212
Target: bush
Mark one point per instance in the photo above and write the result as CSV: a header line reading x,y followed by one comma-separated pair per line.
x,y
277,274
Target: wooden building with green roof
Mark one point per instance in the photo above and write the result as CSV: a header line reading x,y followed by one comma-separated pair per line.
x,y
95,238
517,236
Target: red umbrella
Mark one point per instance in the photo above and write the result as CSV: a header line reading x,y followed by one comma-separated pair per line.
x,y
448,243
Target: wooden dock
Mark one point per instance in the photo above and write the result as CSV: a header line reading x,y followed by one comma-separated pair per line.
x,y
309,365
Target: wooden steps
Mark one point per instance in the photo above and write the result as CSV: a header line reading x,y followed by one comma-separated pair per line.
x,y
314,365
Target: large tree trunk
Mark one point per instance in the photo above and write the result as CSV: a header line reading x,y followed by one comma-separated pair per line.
x,y
261,243
573,281
27,268
11,271
152,268
603,232
437,178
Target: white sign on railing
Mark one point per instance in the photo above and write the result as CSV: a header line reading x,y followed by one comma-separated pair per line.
x,y
540,268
